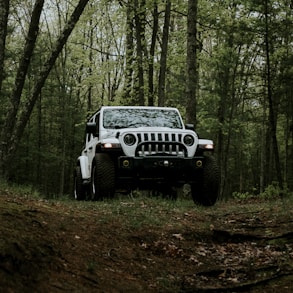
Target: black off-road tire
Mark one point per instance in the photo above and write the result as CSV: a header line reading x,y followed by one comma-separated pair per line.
x,y
206,192
79,188
103,177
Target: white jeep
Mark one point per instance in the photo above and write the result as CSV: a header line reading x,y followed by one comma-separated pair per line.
x,y
130,147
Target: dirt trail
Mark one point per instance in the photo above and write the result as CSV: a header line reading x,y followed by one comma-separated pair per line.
x,y
51,246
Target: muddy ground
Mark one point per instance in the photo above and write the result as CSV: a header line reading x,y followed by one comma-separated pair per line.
x,y
144,245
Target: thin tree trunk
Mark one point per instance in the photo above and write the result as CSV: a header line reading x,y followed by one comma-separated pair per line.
x,y
129,54
272,114
164,52
140,43
191,74
262,150
4,11
62,164
39,147
152,54
90,88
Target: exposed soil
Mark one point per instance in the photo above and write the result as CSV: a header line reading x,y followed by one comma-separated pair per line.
x,y
66,246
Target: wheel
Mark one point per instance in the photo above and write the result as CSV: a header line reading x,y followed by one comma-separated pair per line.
x,y
103,177
206,192
79,188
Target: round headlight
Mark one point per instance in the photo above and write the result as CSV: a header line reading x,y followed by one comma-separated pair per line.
x,y
188,140
129,139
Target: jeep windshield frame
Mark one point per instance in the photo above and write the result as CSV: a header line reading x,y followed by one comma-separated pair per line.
x,y
119,118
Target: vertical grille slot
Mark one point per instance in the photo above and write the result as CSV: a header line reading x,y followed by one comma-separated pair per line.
x,y
139,137
155,143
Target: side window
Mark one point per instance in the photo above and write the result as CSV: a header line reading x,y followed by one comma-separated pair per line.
x,y
95,119
89,136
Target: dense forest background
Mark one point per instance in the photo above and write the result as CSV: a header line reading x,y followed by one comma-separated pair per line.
x,y
226,64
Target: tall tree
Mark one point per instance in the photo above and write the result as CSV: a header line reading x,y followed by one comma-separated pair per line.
x,y
140,21
191,62
272,112
164,52
127,91
4,11
152,54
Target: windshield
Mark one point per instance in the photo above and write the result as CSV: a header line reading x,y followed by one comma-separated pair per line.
x,y
140,117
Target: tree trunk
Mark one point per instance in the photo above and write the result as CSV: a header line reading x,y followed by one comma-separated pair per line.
x,y
152,54
191,74
263,150
4,10
129,54
164,52
24,114
272,114
140,17
90,72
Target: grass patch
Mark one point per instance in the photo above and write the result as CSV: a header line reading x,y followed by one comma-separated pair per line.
x,y
142,210
134,213
12,189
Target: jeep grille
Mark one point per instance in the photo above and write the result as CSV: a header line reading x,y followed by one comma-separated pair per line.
x,y
151,144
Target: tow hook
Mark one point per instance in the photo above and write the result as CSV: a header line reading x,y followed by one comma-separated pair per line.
x,y
166,163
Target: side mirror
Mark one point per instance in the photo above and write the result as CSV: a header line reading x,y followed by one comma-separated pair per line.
x,y
91,127
190,127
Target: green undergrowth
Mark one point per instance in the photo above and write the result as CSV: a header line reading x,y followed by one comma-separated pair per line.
x,y
271,192
141,210
21,190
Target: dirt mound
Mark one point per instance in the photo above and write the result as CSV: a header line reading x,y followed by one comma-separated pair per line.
x,y
51,246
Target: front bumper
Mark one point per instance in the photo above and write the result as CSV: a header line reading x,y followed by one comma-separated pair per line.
x,y
165,168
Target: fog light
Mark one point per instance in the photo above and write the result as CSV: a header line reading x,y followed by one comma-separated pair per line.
x,y
107,145
125,163
198,163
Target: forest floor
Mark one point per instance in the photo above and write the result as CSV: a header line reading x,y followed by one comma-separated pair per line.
x,y
143,244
